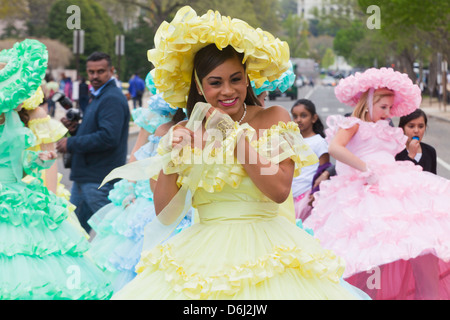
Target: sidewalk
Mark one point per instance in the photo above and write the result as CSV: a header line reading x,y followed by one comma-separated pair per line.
x,y
435,109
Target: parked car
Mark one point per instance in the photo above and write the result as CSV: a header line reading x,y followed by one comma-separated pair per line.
x,y
329,81
292,93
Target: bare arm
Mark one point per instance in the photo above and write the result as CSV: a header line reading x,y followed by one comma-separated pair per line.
x,y
166,187
51,174
338,150
273,180
140,141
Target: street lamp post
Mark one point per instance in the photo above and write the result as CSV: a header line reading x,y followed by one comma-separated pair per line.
x,y
78,47
120,50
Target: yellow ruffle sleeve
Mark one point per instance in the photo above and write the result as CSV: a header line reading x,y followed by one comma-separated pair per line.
x,y
47,130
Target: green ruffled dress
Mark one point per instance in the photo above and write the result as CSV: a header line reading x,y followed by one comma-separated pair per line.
x,y
42,255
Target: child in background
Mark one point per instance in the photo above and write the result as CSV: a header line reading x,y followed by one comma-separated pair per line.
x,y
388,219
414,126
311,127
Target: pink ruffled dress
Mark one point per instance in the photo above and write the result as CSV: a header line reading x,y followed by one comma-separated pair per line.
x,y
394,234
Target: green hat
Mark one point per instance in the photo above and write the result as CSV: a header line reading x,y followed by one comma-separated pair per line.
x,y
26,63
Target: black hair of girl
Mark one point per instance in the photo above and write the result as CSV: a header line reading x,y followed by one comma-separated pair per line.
x,y
318,126
206,60
179,115
24,116
412,116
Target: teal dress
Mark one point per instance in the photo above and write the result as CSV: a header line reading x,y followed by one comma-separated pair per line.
x,y
42,255
119,225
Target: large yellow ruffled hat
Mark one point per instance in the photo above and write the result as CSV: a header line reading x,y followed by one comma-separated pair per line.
x,y
177,42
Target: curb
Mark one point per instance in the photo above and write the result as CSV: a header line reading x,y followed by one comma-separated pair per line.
x,y
433,110
431,115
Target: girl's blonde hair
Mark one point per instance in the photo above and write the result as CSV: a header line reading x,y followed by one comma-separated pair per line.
x,y
361,108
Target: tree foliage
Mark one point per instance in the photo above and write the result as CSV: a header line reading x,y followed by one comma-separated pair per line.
x,y
296,35
415,29
99,30
137,42
13,9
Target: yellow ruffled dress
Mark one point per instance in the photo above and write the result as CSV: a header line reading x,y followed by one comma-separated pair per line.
x,y
241,248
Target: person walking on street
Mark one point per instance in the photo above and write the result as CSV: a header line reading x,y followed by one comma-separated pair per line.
x,y
83,94
51,87
99,143
136,90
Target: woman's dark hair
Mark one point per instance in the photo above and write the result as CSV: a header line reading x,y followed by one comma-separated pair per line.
x,y
206,60
318,126
24,116
179,115
412,116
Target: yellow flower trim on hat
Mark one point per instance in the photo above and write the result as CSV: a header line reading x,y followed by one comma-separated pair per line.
x,y
177,42
34,101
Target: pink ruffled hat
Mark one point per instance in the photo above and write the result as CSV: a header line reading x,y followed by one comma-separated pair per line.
x,y
407,95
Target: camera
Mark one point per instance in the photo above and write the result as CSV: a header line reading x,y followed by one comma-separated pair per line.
x,y
72,113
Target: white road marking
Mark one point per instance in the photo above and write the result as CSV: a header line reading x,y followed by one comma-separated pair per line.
x,y
310,92
443,163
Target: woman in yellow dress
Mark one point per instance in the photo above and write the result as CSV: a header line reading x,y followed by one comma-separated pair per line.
x,y
234,162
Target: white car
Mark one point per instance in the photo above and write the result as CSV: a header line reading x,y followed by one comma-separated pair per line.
x,y
329,81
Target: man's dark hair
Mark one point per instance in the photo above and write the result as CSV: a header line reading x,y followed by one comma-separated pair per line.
x,y
97,56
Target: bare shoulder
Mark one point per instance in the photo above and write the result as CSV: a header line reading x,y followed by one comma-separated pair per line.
x,y
163,129
266,117
38,113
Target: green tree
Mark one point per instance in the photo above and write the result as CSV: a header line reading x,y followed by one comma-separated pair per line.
x,y
98,27
416,29
37,19
328,59
137,42
13,9
334,15
296,35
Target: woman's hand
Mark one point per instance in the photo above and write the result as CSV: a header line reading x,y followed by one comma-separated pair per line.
x,y
182,136
47,155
